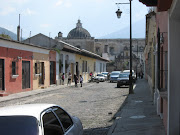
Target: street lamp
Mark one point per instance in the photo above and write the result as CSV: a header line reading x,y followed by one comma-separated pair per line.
x,y
119,12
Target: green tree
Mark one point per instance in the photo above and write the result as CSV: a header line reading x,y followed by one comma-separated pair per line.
x,y
5,36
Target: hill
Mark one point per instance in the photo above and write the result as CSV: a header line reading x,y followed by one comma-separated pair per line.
x,y
7,32
138,31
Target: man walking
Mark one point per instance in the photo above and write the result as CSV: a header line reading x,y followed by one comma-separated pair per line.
x,y
81,80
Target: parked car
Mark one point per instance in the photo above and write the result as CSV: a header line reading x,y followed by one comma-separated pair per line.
x,y
38,119
114,76
133,74
105,75
100,77
123,79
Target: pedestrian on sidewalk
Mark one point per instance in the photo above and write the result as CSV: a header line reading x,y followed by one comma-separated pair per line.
x,y
69,79
75,80
81,80
62,79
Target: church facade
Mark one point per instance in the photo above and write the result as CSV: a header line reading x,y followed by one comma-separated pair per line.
x,y
115,50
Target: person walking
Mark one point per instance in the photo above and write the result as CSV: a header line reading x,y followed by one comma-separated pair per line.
x,y
62,79
75,80
81,80
69,79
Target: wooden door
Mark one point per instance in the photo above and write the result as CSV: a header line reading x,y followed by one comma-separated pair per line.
x,y
52,72
25,74
41,77
1,74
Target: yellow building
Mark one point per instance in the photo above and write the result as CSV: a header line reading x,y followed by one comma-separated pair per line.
x,y
41,70
85,65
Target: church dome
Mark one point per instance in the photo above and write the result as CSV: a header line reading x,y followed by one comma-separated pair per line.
x,y
79,32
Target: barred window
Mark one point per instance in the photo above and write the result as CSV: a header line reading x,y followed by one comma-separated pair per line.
x,y
37,68
14,68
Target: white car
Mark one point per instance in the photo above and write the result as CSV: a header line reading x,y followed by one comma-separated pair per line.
x,y
100,77
105,75
38,119
133,74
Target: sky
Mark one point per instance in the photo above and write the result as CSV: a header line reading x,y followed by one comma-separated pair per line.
x,y
52,16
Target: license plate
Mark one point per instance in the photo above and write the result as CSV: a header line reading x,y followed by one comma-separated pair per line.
x,y
124,81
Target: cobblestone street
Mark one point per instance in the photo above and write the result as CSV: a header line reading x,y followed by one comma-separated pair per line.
x,y
94,103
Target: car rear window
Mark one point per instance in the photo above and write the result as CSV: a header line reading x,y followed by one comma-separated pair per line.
x,y
18,125
114,73
124,75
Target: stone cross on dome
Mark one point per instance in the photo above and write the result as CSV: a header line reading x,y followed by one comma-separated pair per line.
x,y
79,24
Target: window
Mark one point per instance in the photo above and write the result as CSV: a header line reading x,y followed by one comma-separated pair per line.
x,y
37,68
64,118
106,49
97,49
14,70
111,50
84,66
51,124
94,66
19,125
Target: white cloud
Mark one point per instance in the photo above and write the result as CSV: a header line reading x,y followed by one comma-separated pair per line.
x,y
28,12
7,10
68,4
58,3
45,25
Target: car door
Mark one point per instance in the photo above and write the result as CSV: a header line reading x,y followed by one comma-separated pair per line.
x,y
51,124
66,121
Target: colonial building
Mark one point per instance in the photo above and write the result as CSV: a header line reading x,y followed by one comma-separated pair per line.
x,y
69,59
115,50
19,67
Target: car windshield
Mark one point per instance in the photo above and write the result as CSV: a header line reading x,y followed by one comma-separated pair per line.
x,y
104,73
114,73
124,76
100,75
19,125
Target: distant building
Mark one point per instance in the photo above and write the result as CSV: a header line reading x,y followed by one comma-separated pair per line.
x,y
115,50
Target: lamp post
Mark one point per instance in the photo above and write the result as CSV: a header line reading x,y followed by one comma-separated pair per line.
x,y
137,61
119,12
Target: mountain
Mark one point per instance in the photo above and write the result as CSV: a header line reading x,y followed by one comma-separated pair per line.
x,y
138,31
7,32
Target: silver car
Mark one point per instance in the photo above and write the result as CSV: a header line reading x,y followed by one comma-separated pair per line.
x,y
114,76
38,119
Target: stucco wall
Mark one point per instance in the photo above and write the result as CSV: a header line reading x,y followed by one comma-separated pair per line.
x,y
39,57
90,66
14,85
173,76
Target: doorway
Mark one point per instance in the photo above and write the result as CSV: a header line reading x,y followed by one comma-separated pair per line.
x,y
41,77
77,69
25,74
1,74
52,72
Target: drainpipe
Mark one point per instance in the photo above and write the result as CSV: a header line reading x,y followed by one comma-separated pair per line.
x,y
158,63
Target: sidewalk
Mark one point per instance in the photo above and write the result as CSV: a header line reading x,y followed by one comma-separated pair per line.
x,y
32,92
138,115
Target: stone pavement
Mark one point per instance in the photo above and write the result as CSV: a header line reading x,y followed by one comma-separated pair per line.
x,y
138,114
